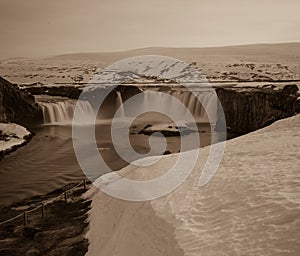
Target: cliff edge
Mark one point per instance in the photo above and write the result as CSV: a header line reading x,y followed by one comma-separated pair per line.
x,y
17,105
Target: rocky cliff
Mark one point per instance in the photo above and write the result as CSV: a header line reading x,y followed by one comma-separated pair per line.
x,y
69,91
246,109
17,106
73,92
249,109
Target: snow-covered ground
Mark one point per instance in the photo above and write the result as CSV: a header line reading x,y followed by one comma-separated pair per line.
x,y
168,128
12,135
250,207
235,63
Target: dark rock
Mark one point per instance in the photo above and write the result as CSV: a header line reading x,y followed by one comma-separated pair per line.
x,y
297,105
69,91
167,152
75,246
147,126
166,133
179,131
17,105
127,91
8,252
7,242
78,249
33,252
52,237
290,89
71,241
250,109
73,92
29,232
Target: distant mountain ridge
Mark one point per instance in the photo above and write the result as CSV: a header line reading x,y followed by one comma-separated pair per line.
x,y
289,49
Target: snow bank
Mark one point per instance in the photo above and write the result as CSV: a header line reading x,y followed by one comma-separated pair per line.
x,y
250,207
12,135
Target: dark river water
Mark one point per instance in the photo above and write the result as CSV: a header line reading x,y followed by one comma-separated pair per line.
x,y
49,162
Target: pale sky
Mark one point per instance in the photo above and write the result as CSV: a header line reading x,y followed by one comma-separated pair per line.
x,y
34,28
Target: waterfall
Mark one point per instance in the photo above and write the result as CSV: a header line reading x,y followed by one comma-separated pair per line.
x,y
119,104
62,112
200,105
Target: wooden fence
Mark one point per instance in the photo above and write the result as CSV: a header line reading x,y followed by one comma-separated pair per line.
x,y
42,206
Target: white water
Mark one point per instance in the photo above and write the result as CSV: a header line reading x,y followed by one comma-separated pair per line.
x,y
119,104
200,106
62,112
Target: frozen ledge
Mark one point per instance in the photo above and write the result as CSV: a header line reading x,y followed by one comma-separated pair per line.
x,y
12,136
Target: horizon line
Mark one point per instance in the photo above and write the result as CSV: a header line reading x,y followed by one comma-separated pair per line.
x,y
149,47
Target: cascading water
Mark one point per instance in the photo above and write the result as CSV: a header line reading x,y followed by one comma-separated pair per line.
x,y
119,105
200,105
62,112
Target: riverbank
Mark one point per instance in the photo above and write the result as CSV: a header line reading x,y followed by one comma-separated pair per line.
x,y
52,224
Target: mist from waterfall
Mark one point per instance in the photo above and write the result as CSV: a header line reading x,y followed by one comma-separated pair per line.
x,y
62,112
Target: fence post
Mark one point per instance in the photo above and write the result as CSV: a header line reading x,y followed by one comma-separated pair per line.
x,y
65,196
84,184
25,219
43,210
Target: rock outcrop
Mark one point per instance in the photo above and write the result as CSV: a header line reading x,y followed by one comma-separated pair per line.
x,y
167,129
71,92
17,106
249,109
12,136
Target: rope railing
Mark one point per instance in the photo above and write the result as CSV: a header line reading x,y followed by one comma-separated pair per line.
x,y
43,204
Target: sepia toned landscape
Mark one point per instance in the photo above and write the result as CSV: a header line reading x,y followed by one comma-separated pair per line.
x,y
183,149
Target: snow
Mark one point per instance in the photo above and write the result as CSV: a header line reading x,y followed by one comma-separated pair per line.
x,y
136,68
172,127
250,207
15,135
